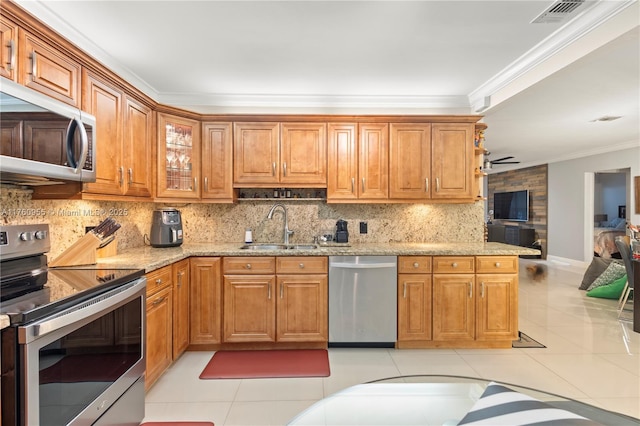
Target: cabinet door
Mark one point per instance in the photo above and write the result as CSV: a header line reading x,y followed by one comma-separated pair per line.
x,y
497,307
256,153
11,137
302,309
47,70
373,167
410,161
453,307
105,103
138,148
342,167
8,49
249,308
217,162
181,294
205,323
414,307
452,160
303,154
178,157
159,353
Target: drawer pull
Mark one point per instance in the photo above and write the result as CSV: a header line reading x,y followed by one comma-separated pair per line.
x,y
248,266
454,265
497,264
416,264
301,265
158,281
158,301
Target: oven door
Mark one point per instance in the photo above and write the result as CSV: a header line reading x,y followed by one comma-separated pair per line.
x,y
77,363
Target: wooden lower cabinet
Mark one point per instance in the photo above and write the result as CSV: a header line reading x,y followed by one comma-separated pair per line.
x,y
181,307
467,301
205,324
289,304
159,348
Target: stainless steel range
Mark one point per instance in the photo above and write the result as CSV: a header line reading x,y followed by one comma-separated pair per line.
x,y
74,350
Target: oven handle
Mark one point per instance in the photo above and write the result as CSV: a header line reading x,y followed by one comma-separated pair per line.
x,y
83,311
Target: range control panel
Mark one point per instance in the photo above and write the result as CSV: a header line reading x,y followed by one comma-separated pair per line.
x,y
24,240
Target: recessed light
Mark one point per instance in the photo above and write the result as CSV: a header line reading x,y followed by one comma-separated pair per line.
x,y
607,118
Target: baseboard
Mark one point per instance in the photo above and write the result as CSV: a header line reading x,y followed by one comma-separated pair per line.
x,y
566,263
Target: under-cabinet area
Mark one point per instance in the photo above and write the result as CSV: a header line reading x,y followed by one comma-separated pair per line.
x,y
276,302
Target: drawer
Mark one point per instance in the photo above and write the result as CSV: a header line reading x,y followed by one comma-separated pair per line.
x,y
497,264
248,265
453,264
159,279
302,265
414,264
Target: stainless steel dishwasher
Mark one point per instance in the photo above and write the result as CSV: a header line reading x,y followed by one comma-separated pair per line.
x,y
363,301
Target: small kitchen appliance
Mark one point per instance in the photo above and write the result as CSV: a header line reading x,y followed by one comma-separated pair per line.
x,y
342,234
166,228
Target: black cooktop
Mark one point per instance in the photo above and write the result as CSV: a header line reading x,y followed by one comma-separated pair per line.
x,y
52,290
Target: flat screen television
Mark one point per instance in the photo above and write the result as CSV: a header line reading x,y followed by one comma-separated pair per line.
x,y
512,205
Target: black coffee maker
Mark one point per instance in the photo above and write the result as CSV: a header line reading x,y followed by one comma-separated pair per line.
x,y
342,235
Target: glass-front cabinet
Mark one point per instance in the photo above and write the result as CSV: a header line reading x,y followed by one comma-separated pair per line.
x,y
178,157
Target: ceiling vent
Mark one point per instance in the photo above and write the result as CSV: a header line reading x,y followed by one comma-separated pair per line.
x,y
558,12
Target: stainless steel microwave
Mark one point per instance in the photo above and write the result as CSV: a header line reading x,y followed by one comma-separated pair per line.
x,y
44,141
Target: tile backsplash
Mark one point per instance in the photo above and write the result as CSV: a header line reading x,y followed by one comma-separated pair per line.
x,y
227,222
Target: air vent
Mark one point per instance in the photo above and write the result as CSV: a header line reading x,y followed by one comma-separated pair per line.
x,y
558,12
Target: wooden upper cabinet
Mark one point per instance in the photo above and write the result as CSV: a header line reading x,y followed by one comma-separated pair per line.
x,y
217,162
256,153
48,70
452,163
303,149
410,161
373,161
8,49
105,103
178,157
342,165
287,154
138,148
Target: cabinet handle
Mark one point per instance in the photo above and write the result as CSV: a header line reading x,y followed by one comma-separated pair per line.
x,y
269,291
437,184
158,281
353,185
121,174
281,291
497,264
158,301
454,265
363,185
12,55
248,266
470,289
482,289
180,274
426,184
130,173
284,169
195,184
416,264
404,290
206,184
273,169
301,265
34,64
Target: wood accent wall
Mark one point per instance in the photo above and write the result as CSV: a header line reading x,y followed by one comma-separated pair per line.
x,y
535,179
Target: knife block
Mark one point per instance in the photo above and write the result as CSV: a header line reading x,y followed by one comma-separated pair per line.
x,y
109,250
82,252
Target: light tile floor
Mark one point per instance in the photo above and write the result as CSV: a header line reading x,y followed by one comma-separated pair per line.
x,y
590,356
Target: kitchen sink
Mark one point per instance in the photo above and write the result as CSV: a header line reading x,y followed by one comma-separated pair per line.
x,y
278,247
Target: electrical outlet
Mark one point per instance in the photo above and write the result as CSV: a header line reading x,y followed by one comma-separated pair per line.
x,y
363,227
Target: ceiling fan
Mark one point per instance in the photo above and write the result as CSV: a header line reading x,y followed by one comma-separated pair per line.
x,y
489,163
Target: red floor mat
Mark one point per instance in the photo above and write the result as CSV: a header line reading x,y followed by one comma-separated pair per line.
x,y
267,364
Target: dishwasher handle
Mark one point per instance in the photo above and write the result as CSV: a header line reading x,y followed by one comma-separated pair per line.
x,y
347,265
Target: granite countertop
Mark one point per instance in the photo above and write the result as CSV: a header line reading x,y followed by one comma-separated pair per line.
x,y
149,258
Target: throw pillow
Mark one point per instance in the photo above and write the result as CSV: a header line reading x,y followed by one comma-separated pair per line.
x,y
610,291
499,405
614,271
597,267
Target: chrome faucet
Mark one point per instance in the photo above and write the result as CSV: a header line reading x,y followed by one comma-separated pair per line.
x,y
286,231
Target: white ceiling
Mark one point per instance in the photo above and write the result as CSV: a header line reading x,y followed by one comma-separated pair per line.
x,y
543,83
